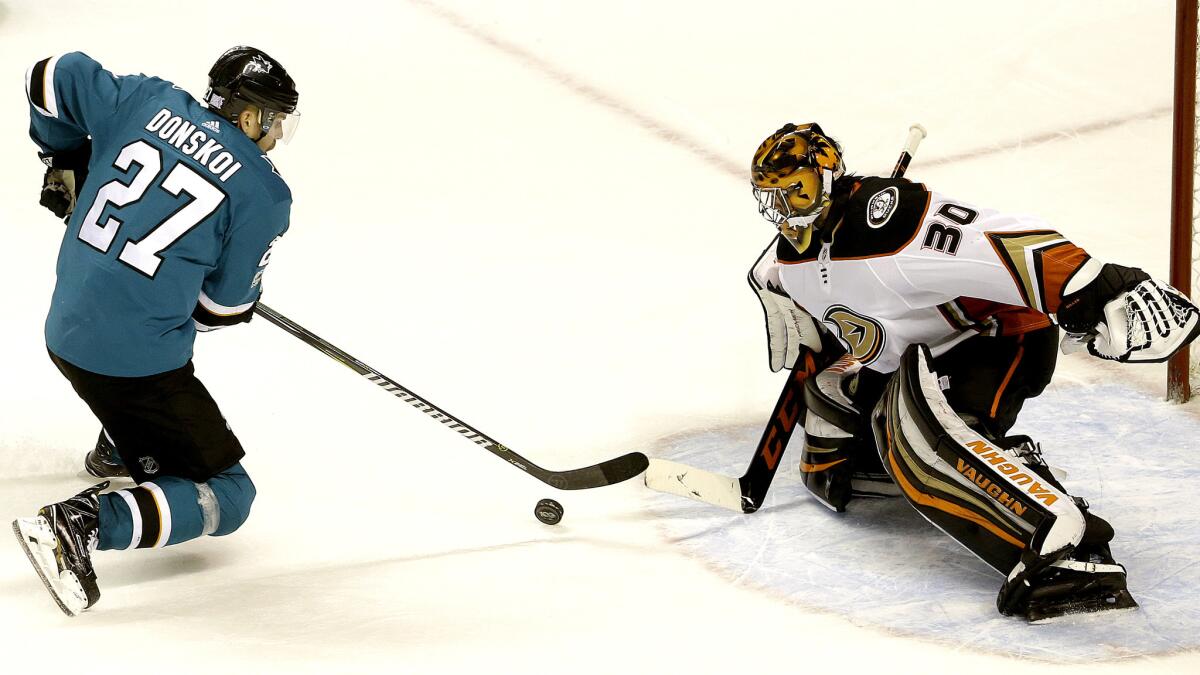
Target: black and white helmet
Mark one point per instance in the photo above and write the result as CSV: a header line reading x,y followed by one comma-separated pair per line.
x,y
243,76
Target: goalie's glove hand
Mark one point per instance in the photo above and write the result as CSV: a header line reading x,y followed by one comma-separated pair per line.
x,y
1146,324
790,330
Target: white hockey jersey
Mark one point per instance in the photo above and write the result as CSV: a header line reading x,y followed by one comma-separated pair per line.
x,y
906,265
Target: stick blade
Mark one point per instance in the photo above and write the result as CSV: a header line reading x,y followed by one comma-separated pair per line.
x,y
609,472
686,481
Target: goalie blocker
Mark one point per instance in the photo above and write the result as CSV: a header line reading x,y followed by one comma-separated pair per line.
x,y
1001,503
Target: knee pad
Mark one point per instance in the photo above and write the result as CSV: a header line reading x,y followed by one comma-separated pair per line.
x,y
225,500
983,495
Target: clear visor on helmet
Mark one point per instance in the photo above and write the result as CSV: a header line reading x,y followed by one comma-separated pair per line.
x,y
280,125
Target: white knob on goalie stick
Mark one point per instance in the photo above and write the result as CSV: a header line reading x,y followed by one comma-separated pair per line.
x,y
916,134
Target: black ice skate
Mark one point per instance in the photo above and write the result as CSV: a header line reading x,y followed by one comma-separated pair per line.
x,y
1078,580
103,460
1076,587
59,541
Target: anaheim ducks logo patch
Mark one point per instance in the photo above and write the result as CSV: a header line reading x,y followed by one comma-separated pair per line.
x,y
863,334
881,207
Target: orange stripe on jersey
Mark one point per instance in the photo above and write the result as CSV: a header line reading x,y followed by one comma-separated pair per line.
x,y
1039,262
1058,264
1008,376
1009,319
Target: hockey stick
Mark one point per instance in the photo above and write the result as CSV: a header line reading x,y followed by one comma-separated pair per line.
x,y
746,494
605,473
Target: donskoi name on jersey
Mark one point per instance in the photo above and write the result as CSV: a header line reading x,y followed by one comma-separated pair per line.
x,y
194,142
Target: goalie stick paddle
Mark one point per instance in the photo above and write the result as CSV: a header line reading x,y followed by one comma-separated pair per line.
x,y
605,473
747,493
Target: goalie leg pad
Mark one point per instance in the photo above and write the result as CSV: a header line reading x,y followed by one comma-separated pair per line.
x,y
1001,503
984,496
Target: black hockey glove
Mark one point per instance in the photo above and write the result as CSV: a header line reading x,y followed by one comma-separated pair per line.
x,y
63,181
1082,310
57,194
1124,315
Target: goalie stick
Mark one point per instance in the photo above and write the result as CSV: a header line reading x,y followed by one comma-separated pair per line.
x,y
605,473
746,494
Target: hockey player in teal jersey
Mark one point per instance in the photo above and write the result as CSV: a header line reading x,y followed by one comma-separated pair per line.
x,y
172,210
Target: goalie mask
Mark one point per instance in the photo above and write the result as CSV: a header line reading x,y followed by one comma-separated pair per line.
x,y
792,174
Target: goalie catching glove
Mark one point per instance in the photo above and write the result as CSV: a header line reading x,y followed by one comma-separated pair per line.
x,y
1121,314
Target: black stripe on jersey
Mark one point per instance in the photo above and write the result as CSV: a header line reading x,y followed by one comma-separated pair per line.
x,y
960,318
37,84
855,238
151,519
955,315
206,318
787,254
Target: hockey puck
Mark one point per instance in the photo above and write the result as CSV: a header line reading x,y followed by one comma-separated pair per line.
x,y
548,511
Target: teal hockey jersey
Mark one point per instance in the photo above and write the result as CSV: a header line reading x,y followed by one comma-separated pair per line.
x,y
176,219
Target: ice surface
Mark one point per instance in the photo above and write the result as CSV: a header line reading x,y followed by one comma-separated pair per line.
x,y
532,213
882,564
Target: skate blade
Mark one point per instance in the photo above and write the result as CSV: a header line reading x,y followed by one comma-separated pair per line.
x,y
91,478
66,590
1119,603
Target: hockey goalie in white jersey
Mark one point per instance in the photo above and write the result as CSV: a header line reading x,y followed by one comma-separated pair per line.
x,y
926,323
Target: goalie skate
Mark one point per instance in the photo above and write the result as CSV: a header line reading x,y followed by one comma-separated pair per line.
x,y
59,542
1077,583
1072,587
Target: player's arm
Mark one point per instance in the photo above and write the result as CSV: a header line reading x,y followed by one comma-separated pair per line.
x,y
231,290
71,98
1119,312
1116,312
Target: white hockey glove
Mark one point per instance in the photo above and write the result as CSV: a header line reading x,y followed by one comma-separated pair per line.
x,y
790,329
1146,324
